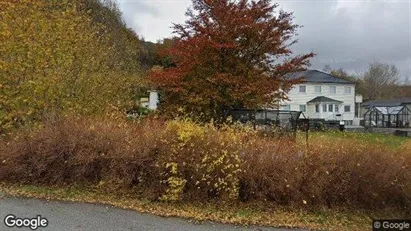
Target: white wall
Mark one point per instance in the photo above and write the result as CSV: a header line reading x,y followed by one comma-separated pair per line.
x,y
153,100
300,98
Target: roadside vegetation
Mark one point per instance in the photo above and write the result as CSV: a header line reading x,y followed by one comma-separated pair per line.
x,y
64,57
71,70
389,141
181,161
236,213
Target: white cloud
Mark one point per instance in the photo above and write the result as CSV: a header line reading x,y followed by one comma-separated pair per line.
x,y
153,19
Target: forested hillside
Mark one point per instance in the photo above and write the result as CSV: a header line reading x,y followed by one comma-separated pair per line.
x,y
67,56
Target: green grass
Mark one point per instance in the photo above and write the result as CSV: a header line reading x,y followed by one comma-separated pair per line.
x,y
390,141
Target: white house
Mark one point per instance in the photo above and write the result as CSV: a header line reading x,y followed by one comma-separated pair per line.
x,y
151,101
322,96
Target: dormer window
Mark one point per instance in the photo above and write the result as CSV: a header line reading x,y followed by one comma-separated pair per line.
x,y
302,89
333,89
347,90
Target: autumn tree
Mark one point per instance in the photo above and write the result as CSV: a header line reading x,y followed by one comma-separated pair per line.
x,y
342,74
54,57
380,81
155,54
404,91
106,16
229,54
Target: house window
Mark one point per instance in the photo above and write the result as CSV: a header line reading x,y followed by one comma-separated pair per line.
x,y
317,89
330,107
333,89
347,108
324,107
303,108
317,108
348,122
347,90
286,107
336,108
302,89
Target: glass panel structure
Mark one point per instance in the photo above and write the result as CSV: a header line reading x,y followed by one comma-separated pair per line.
x,y
388,117
286,120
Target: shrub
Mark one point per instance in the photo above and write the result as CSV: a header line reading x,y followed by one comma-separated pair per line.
x,y
84,151
332,172
181,160
79,68
206,158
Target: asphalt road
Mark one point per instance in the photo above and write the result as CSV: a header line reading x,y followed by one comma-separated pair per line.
x,y
84,216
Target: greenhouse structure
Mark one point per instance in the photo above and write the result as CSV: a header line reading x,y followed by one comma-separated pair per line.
x,y
388,117
286,120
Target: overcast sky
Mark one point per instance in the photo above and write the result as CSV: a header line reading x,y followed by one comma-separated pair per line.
x,y
344,33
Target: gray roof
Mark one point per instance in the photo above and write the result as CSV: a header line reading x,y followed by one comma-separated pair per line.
x,y
390,110
323,99
387,102
316,77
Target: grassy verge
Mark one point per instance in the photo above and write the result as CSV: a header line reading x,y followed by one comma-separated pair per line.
x,y
338,182
390,141
237,213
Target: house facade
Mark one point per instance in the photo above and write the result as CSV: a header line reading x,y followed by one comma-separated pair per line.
x,y
319,96
322,96
150,102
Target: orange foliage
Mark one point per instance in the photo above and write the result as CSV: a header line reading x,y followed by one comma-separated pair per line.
x,y
229,54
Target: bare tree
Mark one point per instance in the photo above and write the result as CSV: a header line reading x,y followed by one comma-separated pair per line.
x,y
342,74
380,80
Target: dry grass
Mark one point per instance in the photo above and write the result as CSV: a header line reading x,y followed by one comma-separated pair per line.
x,y
330,173
182,161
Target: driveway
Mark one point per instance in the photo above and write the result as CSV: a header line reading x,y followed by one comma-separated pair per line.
x,y
84,216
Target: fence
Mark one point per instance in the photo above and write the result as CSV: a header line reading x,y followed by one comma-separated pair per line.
x,y
285,120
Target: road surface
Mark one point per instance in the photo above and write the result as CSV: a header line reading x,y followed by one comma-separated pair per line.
x,y
84,216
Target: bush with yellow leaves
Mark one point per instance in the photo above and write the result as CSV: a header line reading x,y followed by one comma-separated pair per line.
x,y
202,160
179,160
